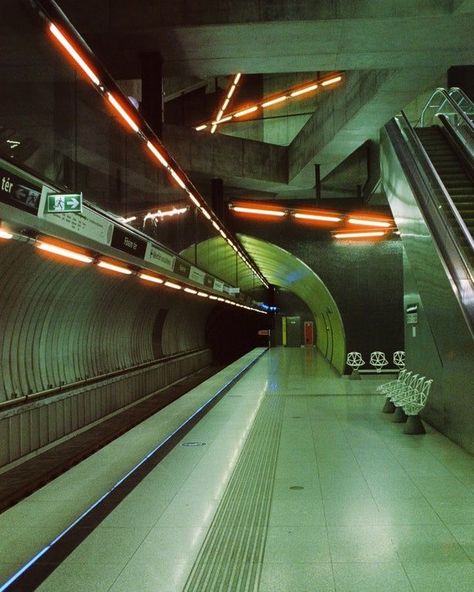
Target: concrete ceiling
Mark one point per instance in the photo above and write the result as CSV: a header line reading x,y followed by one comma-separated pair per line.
x,y
390,50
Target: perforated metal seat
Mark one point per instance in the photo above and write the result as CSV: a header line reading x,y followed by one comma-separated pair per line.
x,y
355,360
378,360
399,359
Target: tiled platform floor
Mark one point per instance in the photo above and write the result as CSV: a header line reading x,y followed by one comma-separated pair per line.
x,y
356,505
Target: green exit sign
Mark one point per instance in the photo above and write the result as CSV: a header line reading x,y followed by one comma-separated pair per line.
x,y
60,203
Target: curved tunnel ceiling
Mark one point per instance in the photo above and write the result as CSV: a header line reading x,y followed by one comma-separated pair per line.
x,y
286,271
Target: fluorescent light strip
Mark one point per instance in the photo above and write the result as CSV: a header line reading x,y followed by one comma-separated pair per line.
x,y
246,210
190,291
62,252
73,53
246,111
365,222
121,111
177,178
331,81
128,220
359,234
157,154
302,91
225,104
150,278
113,267
320,217
172,285
212,297
127,118
274,101
203,294
194,199
222,233
205,213
6,235
216,226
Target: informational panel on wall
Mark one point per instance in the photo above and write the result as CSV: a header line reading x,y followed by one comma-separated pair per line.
x,y
412,314
19,192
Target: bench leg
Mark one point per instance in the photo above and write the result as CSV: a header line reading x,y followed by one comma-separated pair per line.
x,y
355,375
389,407
414,426
399,416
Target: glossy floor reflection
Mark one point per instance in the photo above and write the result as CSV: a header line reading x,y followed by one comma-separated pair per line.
x,y
356,505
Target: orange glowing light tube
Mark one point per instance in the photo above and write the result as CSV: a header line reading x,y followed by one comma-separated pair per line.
x,y
64,252
291,93
80,61
122,112
151,278
261,211
317,216
367,222
114,267
362,234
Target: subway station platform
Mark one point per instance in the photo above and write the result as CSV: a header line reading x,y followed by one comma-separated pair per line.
x,y
293,481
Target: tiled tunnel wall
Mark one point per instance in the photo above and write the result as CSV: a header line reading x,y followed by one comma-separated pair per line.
x,y
61,323
364,278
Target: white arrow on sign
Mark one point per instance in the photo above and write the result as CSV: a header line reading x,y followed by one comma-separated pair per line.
x,y
73,203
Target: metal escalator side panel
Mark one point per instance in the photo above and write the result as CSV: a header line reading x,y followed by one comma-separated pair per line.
x,y
444,280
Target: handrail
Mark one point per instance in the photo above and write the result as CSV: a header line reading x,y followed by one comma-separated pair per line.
x,y
455,90
415,142
446,99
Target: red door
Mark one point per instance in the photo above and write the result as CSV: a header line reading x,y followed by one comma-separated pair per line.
x,y
308,333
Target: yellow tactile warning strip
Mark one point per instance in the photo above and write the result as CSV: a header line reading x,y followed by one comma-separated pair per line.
x,y
232,552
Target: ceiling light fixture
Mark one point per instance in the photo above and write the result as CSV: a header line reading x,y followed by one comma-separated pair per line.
x,y
246,111
261,211
150,278
359,234
172,285
154,150
304,90
122,112
366,222
64,41
6,235
274,101
63,252
318,217
114,267
331,81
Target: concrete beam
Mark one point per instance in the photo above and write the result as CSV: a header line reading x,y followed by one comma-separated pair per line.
x,y
347,118
214,38
240,162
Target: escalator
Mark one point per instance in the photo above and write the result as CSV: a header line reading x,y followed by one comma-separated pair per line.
x,y
428,174
454,176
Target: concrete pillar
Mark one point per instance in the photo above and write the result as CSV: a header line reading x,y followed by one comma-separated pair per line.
x,y
152,90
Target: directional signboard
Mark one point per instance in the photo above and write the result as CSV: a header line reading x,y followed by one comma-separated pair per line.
x,y
60,203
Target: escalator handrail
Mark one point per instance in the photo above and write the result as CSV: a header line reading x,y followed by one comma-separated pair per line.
x,y
415,143
455,90
446,99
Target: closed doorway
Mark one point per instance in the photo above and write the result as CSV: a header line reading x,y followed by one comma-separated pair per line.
x,y
293,331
